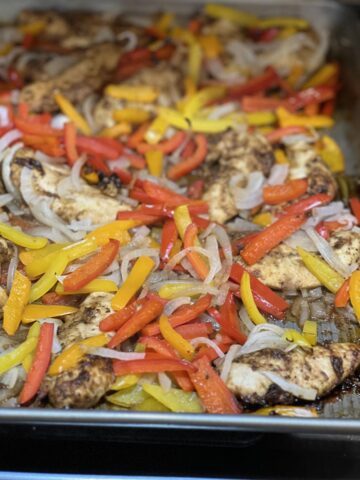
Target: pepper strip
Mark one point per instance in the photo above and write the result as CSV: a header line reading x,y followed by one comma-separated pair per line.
x,y
49,279
179,343
13,358
15,304
97,285
40,363
275,194
115,320
135,280
248,300
37,312
152,366
22,239
70,111
189,164
321,270
343,295
70,142
354,290
91,269
270,237
169,235
196,260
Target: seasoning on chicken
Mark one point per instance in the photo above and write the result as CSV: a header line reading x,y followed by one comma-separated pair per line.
x,y
320,368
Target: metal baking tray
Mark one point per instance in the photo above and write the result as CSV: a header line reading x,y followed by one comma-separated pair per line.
x,y
344,28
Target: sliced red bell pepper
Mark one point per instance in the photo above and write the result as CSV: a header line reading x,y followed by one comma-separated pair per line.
x,y
96,146
148,312
275,194
342,296
136,161
169,235
40,363
159,346
196,189
124,175
184,314
214,394
141,218
196,260
98,164
328,108
53,298
115,320
307,204
189,164
166,146
266,80
326,228
355,207
276,135
193,330
210,353
168,197
126,70
201,223
270,237
228,319
33,128
189,149
112,143
70,142
138,136
258,103
313,95
49,145
152,366
322,230
265,298
91,269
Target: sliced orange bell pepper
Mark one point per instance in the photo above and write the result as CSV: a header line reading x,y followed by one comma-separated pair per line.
x,y
354,291
152,366
15,304
70,142
343,295
115,320
91,269
191,163
196,260
274,194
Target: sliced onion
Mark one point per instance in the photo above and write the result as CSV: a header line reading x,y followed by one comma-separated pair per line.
x,y
304,312
6,198
183,253
173,305
244,317
328,254
9,378
300,239
286,386
175,156
217,70
6,171
222,110
228,360
4,116
223,292
225,243
84,225
278,174
212,247
250,196
87,108
9,137
130,37
12,269
76,180
296,138
164,381
43,158
109,353
59,120
121,162
263,336
139,252
241,225
332,208
210,343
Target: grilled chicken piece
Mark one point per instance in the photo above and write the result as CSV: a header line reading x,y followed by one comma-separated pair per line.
x,y
163,76
283,269
82,386
89,74
306,163
234,153
319,368
85,322
88,203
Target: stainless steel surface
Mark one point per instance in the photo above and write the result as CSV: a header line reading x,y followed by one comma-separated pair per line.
x,y
345,37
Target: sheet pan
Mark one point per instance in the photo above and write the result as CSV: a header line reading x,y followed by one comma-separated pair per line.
x,y
344,30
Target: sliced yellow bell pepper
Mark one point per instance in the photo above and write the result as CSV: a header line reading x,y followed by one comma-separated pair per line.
x,y
211,45
178,120
20,238
176,340
154,160
287,119
310,331
91,177
151,405
202,98
34,332
263,219
70,111
97,285
194,62
292,335
69,357
354,291
283,22
131,115
125,381
72,251
15,304
37,312
128,398
323,75
243,19
115,131
248,300
295,75
27,256
321,270
132,93
174,290
175,399
16,356
280,156
33,28
176,248
332,155
117,230
182,219
49,279
259,119
183,35
287,411
156,131
135,280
